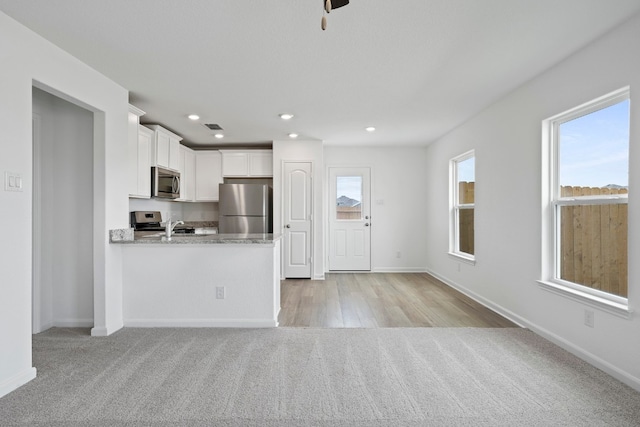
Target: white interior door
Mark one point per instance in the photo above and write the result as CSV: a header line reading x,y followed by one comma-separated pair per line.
x,y
349,219
297,219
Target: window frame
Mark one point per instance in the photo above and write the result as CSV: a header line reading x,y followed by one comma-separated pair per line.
x,y
455,207
554,202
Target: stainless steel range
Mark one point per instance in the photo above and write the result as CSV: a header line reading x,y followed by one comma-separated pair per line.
x,y
150,221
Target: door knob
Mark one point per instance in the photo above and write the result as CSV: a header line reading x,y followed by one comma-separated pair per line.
x,y
366,224
288,226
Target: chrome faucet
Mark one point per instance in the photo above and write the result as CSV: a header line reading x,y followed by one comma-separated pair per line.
x,y
169,226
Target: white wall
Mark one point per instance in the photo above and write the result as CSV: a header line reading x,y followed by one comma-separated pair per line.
x,y
28,59
66,203
398,202
303,151
507,141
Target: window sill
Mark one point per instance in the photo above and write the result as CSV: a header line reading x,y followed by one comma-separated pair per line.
x,y
617,309
467,259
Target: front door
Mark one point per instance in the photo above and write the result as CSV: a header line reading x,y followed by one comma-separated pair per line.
x,y
349,219
297,220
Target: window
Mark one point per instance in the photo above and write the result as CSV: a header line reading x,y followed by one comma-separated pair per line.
x,y
349,199
462,191
588,194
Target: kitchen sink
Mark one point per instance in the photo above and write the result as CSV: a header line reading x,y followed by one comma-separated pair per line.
x,y
204,231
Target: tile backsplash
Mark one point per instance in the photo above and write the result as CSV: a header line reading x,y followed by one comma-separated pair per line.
x,y
204,211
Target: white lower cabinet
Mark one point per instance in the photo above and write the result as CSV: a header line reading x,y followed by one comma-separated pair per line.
x,y
208,175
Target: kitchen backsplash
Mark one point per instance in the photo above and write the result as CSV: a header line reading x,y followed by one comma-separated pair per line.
x,y
178,210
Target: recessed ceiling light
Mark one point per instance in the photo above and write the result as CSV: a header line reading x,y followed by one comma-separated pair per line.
x,y
286,116
194,116
219,135
293,135
370,129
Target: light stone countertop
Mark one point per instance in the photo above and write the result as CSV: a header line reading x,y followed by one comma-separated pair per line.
x,y
124,236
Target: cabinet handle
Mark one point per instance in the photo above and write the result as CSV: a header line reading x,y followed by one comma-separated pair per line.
x,y
288,226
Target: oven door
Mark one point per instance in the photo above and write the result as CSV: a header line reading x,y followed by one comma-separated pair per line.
x,y
165,183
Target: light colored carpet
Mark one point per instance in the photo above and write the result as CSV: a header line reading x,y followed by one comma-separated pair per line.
x,y
314,377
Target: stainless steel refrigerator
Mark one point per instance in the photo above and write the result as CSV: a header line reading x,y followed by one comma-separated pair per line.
x,y
245,208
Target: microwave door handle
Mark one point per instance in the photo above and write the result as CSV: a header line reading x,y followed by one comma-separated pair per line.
x,y
175,187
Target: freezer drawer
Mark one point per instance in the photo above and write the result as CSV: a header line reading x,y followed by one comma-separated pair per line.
x,y
243,224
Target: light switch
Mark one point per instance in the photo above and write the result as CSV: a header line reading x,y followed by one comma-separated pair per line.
x,y
12,181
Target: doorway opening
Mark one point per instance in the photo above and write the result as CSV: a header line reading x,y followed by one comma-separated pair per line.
x,y
63,197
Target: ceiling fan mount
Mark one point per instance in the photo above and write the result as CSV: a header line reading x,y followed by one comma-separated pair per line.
x,y
328,6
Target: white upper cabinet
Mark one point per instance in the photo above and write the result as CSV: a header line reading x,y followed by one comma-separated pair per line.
x,y
139,159
235,163
187,174
247,163
165,149
208,175
145,136
261,163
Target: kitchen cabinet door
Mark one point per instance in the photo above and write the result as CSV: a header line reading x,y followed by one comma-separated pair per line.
x,y
139,155
187,168
144,162
235,163
260,163
165,149
247,163
132,148
208,175
174,153
163,143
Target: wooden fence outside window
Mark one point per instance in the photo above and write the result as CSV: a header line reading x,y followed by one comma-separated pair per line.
x,y
593,242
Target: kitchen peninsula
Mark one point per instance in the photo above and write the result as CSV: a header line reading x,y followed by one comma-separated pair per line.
x,y
217,280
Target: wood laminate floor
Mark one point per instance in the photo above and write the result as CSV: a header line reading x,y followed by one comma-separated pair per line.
x,y
381,300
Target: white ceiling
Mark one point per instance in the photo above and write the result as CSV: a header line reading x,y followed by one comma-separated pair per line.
x,y
414,69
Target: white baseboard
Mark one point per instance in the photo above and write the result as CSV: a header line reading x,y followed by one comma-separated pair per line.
x,y
103,331
399,270
44,327
603,365
73,323
200,323
588,357
17,381
485,302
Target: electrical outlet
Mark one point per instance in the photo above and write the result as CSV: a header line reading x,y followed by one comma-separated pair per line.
x,y
458,266
219,292
398,254
588,318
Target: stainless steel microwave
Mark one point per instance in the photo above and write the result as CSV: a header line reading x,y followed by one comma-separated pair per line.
x,y
165,183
